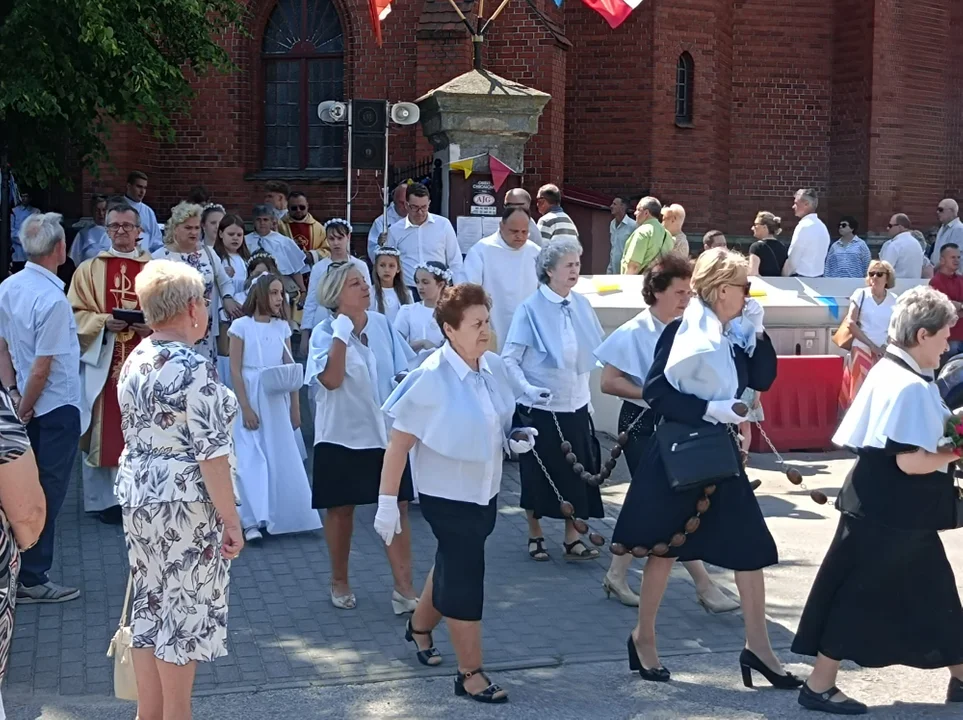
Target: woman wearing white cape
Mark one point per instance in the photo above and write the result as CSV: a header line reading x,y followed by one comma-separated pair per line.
x,y
454,415
885,593
625,357
701,365
354,359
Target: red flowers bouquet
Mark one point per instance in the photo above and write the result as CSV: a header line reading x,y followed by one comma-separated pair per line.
x,y
953,434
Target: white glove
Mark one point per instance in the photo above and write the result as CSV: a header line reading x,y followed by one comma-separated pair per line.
x,y
520,447
754,313
387,522
341,328
535,396
721,411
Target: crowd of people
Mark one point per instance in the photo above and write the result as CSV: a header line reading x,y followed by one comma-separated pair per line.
x,y
170,365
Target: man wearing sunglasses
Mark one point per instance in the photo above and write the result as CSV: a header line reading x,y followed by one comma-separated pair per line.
x,y
301,227
902,250
951,229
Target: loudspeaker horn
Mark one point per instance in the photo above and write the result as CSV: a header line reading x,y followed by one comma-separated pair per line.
x,y
405,113
332,112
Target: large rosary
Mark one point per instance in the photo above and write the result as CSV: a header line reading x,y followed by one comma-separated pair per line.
x,y
702,504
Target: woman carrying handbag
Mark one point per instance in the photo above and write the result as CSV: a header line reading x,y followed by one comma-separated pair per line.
x,y
690,498
271,480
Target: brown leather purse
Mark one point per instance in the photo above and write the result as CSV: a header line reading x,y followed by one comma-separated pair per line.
x,y
843,337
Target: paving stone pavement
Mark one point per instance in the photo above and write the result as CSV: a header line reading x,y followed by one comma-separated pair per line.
x,y
283,630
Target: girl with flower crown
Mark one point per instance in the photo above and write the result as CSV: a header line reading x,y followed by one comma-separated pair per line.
x,y
416,322
390,292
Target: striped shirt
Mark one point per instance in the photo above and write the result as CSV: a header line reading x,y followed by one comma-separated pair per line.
x,y
556,225
847,260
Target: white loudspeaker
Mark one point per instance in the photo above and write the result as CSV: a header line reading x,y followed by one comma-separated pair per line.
x,y
332,111
405,113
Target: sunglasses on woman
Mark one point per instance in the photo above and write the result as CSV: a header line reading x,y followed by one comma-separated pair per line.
x,y
878,273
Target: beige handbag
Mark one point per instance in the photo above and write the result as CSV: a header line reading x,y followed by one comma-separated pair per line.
x,y
125,682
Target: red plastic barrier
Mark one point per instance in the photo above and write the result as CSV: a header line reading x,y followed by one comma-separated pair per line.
x,y
802,406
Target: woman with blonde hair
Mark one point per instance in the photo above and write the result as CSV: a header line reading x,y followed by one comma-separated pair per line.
x,y
175,488
690,498
870,309
767,255
182,244
672,218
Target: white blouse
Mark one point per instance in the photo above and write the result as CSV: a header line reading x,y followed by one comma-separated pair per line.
x,y
392,303
461,419
416,322
350,415
237,280
570,389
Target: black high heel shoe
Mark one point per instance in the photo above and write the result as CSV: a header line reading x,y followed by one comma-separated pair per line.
x,y
429,657
492,694
659,674
749,661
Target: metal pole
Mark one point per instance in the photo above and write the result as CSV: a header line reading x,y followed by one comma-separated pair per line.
x,y
5,240
385,196
350,169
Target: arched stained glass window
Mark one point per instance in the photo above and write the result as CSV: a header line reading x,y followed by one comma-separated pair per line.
x,y
303,55
684,71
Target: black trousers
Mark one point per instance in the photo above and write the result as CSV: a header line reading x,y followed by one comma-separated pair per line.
x,y
461,529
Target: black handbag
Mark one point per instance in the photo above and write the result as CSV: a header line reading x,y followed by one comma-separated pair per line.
x,y
696,456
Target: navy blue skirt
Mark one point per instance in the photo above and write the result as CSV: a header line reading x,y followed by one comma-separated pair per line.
x,y
732,534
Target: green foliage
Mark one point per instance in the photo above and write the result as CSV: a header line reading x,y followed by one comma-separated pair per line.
x,y
69,68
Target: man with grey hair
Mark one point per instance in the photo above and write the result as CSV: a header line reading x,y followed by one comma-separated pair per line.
x,y
39,367
810,239
554,223
902,250
649,241
397,209
520,198
951,228
620,228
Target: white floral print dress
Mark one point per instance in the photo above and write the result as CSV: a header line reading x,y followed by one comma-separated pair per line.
x,y
174,413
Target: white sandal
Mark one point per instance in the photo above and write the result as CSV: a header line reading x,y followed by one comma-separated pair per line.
x,y
344,602
715,601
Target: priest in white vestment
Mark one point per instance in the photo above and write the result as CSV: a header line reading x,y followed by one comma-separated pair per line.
x,y
378,234
504,264
101,285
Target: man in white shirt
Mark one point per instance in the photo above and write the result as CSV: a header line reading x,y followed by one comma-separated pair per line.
x,y
505,265
554,223
40,368
150,232
519,198
902,250
951,228
620,228
92,240
422,236
378,234
810,239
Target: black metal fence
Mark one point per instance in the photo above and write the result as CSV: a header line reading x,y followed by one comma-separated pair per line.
x,y
428,173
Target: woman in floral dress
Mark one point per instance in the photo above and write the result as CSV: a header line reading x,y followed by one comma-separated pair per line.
x,y
182,244
175,487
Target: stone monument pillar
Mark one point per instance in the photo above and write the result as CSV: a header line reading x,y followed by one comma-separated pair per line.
x,y
478,113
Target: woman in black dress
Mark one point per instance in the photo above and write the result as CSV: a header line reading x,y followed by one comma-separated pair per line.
x,y
702,363
885,593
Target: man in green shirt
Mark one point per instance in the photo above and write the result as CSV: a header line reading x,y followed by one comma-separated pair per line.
x,y
649,241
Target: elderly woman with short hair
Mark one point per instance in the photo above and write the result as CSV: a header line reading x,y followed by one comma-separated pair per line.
x,y
885,593
548,355
354,359
702,363
673,216
175,486
182,244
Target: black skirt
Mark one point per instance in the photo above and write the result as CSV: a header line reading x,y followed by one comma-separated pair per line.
x,y
883,596
641,430
537,493
461,528
732,534
343,476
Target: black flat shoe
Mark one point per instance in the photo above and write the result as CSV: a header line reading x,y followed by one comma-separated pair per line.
x,y
749,661
659,674
429,657
492,694
954,693
822,702
111,516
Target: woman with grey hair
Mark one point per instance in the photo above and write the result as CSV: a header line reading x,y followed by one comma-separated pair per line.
x,y
548,355
354,359
175,487
182,244
885,593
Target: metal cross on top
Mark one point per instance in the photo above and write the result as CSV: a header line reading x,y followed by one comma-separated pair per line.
x,y
478,33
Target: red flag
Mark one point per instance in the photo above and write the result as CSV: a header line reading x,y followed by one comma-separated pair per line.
x,y
379,11
500,171
614,11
